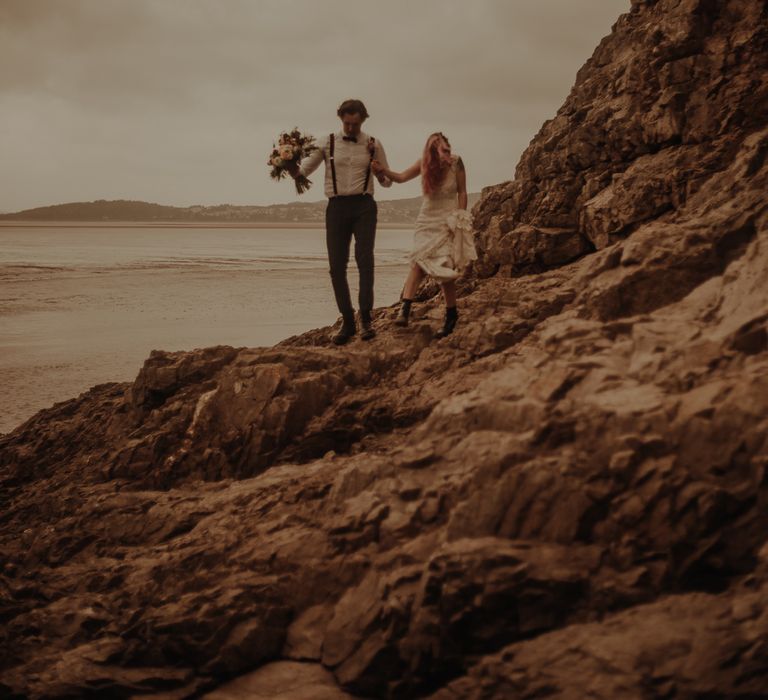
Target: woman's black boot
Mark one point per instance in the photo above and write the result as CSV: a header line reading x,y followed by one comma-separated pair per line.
x,y
404,314
451,316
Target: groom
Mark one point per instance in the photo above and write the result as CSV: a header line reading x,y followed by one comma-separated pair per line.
x,y
351,210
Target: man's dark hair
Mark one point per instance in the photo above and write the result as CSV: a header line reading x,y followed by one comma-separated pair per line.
x,y
353,107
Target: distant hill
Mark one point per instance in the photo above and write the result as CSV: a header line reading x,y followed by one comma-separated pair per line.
x,y
393,211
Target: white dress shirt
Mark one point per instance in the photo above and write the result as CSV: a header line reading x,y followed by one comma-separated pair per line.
x,y
352,160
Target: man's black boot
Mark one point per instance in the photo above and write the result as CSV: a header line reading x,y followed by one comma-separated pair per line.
x,y
367,332
347,331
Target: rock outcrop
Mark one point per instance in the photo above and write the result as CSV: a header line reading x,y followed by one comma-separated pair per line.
x,y
565,498
660,108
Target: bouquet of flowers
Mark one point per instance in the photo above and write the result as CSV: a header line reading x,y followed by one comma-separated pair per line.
x,y
291,147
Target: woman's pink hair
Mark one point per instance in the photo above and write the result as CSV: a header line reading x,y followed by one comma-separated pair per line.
x,y
435,162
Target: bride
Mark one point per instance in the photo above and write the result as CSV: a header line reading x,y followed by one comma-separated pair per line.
x,y
442,242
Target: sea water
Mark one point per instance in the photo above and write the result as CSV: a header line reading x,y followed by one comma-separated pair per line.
x,y
82,305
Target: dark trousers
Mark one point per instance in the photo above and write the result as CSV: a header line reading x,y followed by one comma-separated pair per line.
x,y
346,217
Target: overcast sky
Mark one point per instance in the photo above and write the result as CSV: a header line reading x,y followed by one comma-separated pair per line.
x,y
178,101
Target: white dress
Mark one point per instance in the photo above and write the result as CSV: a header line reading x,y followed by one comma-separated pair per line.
x,y
443,242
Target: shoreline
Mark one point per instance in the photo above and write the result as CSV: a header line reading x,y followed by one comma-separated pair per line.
x,y
7,223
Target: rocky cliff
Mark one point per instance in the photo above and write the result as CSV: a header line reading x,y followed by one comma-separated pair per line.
x,y
566,498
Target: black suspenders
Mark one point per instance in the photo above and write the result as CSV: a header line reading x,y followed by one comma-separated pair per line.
x,y
331,157
372,151
333,166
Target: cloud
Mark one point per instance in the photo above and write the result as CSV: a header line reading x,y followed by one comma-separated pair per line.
x,y
175,100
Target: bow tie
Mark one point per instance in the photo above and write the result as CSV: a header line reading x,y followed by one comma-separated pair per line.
x,y
353,139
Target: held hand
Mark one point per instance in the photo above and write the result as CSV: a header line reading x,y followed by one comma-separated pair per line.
x,y
377,168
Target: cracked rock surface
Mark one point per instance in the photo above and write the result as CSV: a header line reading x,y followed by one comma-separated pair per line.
x,y
565,498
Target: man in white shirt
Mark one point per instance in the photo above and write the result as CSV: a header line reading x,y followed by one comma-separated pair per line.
x,y
351,211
